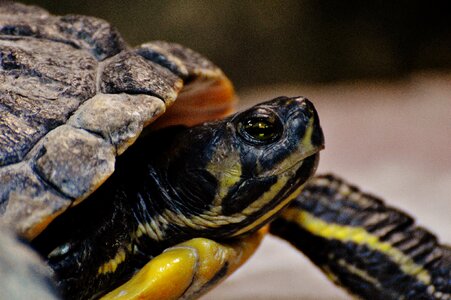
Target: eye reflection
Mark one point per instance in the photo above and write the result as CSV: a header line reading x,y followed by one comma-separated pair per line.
x,y
259,130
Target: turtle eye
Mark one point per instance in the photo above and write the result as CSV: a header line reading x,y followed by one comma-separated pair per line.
x,y
260,130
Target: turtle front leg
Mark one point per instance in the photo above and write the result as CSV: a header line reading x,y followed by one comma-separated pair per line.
x,y
187,270
372,250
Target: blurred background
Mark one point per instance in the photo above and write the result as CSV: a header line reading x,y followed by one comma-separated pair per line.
x,y
261,42
379,73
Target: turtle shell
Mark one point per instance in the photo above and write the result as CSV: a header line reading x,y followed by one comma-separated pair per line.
x,y
73,96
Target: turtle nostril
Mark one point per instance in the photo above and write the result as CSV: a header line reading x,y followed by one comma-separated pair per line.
x,y
301,100
306,105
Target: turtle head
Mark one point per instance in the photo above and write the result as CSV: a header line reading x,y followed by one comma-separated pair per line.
x,y
233,176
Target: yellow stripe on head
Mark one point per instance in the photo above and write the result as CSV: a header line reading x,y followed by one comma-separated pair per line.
x,y
250,167
267,197
228,172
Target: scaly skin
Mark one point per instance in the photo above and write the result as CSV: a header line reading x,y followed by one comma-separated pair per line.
x,y
363,245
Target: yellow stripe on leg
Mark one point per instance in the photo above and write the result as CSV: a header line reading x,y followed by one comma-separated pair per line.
x,y
359,236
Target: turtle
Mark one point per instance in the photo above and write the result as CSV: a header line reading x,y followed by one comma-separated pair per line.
x,y
125,169
75,97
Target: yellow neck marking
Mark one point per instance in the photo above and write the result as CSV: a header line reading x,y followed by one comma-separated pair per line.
x,y
265,198
226,167
111,265
307,140
212,219
358,236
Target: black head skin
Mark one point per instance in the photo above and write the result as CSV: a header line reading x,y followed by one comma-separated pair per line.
x,y
218,180
234,175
